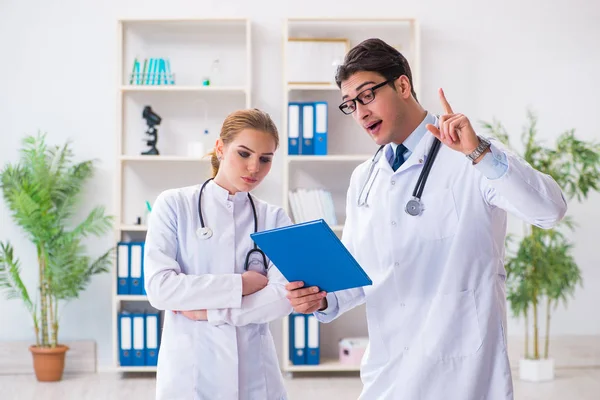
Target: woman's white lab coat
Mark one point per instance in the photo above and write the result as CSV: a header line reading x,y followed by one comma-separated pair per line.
x,y
232,355
437,308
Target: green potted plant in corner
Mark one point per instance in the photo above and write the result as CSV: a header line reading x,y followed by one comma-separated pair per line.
x,y
540,267
41,191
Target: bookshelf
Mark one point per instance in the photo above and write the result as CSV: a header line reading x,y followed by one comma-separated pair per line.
x,y
191,114
347,146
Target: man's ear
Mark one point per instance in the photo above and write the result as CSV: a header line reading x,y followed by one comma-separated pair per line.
x,y
403,86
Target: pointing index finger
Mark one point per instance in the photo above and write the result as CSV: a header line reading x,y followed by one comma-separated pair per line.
x,y
445,104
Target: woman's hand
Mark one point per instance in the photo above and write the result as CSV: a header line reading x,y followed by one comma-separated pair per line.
x,y
195,315
252,282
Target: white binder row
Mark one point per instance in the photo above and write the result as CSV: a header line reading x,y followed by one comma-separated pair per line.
x,y
312,204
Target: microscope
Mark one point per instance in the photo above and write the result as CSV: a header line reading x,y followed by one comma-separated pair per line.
x,y
152,119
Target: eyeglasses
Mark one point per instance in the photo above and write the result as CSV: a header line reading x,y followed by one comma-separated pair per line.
x,y
364,97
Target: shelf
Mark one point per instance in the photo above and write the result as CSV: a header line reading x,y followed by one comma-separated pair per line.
x,y
307,86
327,365
176,88
188,107
160,158
132,297
133,228
136,369
352,157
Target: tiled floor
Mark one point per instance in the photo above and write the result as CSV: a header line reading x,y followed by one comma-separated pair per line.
x,y
570,384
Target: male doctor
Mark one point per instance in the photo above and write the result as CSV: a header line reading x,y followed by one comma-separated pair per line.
x,y
436,311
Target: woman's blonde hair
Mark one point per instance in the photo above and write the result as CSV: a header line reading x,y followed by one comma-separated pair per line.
x,y
236,122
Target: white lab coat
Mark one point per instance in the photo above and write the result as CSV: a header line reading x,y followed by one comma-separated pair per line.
x,y
232,355
436,311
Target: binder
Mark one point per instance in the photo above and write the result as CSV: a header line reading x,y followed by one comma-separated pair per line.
x,y
136,260
123,268
152,338
297,329
125,339
143,280
293,128
307,146
320,141
139,339
311,252
313,347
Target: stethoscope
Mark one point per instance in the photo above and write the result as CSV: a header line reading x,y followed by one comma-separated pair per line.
x,y
414,206
205,232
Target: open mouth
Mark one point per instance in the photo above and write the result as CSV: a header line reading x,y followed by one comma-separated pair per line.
x,y
373,128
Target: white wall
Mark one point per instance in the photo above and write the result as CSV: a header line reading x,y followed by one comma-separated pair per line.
x,y
58,74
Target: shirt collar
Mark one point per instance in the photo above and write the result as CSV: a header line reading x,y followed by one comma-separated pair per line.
x,y
413,139
222,194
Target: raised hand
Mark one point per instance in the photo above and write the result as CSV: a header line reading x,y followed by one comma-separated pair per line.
x,y
455,130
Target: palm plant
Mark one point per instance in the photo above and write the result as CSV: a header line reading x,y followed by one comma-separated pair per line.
x,y
41,191
540,268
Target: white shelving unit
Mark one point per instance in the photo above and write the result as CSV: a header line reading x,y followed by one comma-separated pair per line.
x,y
191,113
348,146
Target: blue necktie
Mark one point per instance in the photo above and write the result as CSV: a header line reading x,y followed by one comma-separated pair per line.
x,y
399,159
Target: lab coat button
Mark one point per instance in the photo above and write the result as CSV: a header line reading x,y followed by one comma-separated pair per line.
x,y
393,182
397,264
406,348
393,223
401,304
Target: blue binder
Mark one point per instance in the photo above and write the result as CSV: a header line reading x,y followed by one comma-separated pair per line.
x,y
307,144
311,252
152,338
143,280
313,346
125,339
320,128
297,331
136,261
294,126
123,268
138,322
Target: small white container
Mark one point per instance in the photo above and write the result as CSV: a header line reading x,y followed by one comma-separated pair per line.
x,y
536,370
196,149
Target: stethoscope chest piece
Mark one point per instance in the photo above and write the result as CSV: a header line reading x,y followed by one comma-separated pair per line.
x,y
413,207
204,233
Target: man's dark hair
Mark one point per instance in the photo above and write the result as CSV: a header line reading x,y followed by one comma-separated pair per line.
x,y
375,55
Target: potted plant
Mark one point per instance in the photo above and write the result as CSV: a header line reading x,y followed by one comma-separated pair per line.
x,y
41,191
540,267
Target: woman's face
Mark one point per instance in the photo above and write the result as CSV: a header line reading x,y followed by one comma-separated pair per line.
x,y
245,161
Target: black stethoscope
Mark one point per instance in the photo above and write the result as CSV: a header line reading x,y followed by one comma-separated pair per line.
x,y
205,232
414,206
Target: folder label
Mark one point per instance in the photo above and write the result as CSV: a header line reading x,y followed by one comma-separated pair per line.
x,y
299,342
152,333
313,332
125,333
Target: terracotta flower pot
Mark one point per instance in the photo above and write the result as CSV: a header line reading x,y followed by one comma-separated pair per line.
x,y
48,363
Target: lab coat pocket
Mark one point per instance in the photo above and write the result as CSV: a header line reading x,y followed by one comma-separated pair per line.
x,y
273,388
439,218
175,373
452,326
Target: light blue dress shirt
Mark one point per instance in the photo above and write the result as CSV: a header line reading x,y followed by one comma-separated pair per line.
x,y
493,165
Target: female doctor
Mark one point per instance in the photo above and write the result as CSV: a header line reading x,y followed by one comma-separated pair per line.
x,y
201,263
